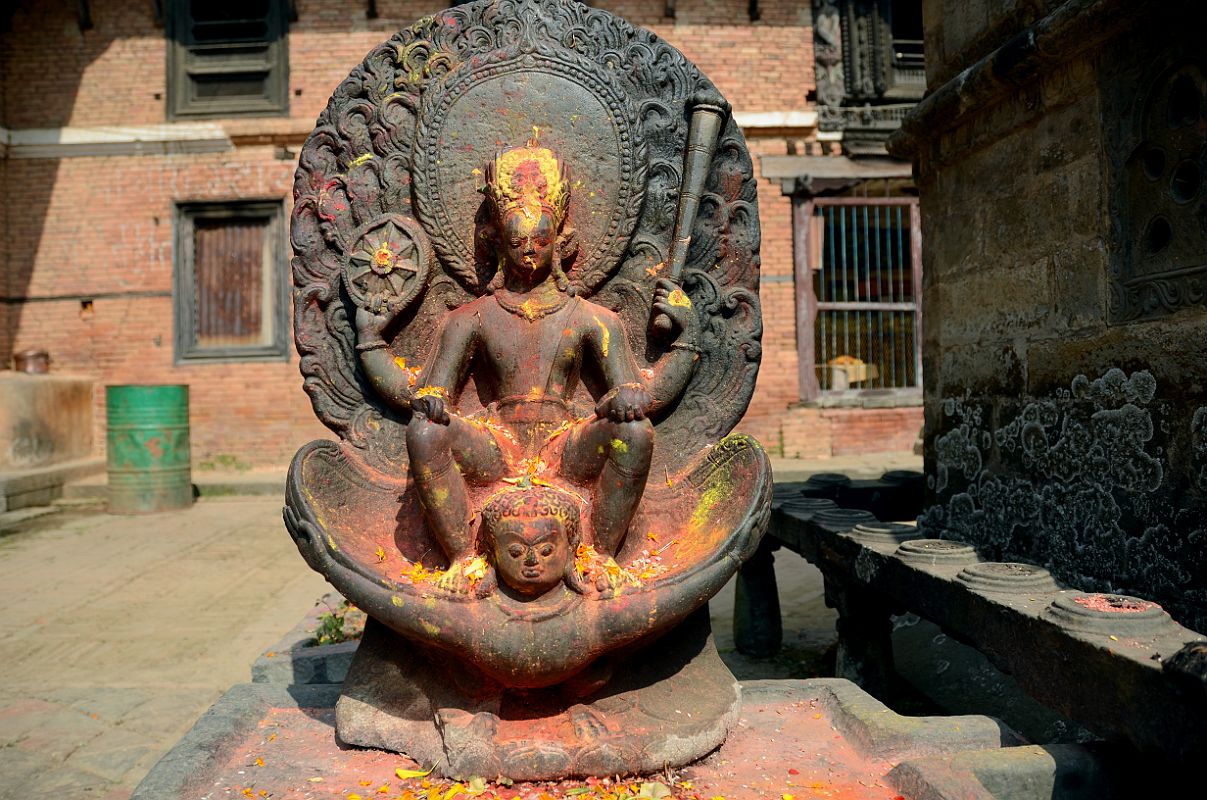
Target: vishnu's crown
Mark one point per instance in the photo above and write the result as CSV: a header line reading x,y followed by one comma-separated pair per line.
x,y
530,179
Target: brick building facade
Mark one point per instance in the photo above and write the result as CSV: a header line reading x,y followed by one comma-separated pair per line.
x,y
101,156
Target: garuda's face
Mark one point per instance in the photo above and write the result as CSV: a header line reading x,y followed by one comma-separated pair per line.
x,y
531,555
529,236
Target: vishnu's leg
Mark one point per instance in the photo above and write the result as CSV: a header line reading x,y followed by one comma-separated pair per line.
x,y
442,458
617,456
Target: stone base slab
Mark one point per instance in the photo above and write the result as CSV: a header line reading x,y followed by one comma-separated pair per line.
x,y
41,486
815,738
667,704
295,659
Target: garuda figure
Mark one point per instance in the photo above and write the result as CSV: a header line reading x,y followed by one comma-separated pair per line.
x,y
526,277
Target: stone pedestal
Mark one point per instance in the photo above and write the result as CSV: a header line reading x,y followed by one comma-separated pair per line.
x,y
44,419
45,437
664,705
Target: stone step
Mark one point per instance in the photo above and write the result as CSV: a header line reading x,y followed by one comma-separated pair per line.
x,y
256,482
40,486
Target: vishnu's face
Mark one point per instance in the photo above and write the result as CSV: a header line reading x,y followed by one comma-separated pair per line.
x,y
531,555
529,235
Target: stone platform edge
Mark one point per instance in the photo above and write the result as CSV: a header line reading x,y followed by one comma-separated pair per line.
x,y
42,485
210,741
933,758
297,659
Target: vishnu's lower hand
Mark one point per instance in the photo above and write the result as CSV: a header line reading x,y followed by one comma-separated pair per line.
x,y
431,407
626,403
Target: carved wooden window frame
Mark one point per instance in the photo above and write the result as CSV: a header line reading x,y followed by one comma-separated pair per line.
x,y
189,59
859,82
808,306
184,285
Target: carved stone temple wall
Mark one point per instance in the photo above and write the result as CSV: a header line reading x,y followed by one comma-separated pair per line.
x,y
1060,159
95,165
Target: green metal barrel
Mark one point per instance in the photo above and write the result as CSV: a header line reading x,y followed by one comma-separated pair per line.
x,y
148,448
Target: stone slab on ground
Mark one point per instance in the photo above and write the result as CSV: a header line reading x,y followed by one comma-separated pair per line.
x,y
812,738
295,658
11,520
42,485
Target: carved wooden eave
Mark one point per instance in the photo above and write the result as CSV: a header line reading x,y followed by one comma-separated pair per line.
x,y
862,95
815,175
776,123
1075,27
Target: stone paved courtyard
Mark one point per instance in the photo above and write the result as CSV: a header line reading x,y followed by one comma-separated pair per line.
x,y
120,631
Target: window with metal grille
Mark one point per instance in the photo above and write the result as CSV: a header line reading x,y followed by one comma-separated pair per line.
x,y
227,58
860,319
231,293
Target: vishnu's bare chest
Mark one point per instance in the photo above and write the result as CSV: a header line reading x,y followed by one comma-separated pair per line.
x,y
533,355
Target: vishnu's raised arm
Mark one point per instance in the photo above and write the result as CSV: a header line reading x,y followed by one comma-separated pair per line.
x,y
389,377
673,370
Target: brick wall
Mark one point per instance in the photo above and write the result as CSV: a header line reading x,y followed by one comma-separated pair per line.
x,y
102,227
778,384
823,432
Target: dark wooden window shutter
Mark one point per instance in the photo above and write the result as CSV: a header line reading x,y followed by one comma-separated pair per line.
x,y
227,58
231,293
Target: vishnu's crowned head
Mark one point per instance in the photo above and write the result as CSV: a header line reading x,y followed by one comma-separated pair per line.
x,y
529,192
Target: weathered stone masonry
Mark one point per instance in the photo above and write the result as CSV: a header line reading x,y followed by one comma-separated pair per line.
x,y
1064,265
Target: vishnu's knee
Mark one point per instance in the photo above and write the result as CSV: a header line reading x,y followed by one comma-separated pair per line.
x,y
632,443
427,441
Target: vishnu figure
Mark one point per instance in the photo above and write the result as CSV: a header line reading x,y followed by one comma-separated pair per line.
x,y
527,344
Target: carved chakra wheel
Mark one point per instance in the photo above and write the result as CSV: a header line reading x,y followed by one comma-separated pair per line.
x,y
467,675
387,262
